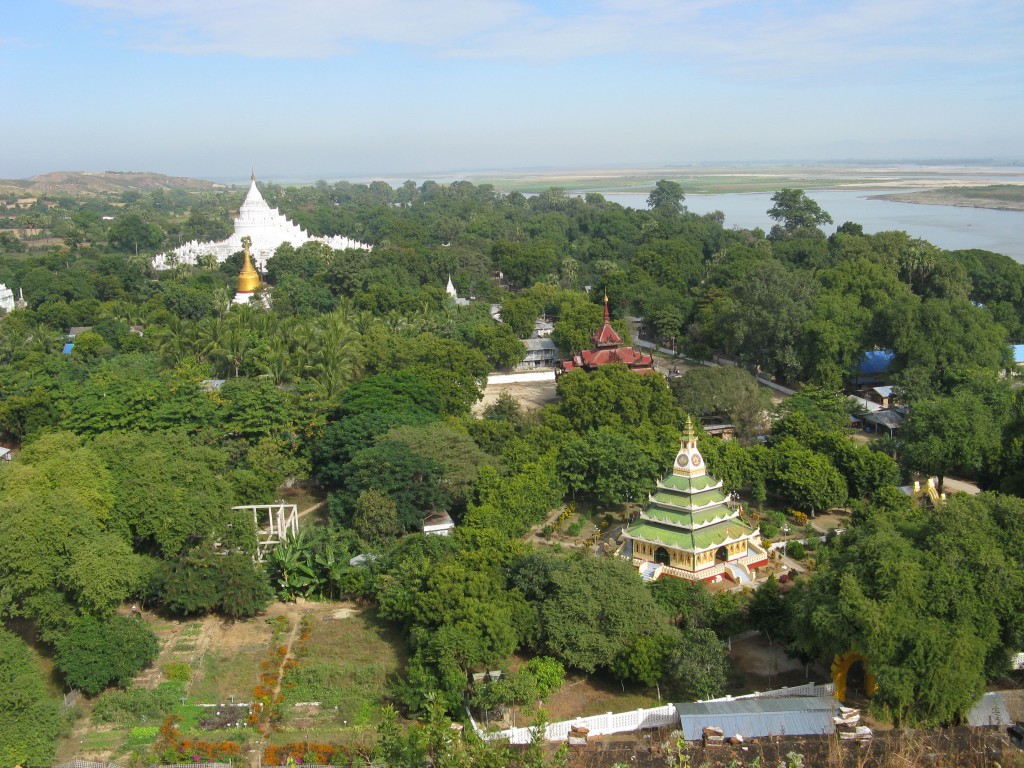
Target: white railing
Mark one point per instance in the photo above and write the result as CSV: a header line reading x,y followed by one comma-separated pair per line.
x,y
597,725
807,689
639,719
282,523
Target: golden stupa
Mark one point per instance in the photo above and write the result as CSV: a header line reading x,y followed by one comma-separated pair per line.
x,y
248,278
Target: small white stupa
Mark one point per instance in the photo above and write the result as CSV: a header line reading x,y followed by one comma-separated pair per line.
x,y
266,227
450,290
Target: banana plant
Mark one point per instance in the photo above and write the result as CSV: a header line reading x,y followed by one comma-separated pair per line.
x,y
293,569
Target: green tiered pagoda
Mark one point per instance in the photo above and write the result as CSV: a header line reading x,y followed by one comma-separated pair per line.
x,y
688,530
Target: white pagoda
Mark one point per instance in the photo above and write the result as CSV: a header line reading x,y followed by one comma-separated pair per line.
x,y
266,227
450,290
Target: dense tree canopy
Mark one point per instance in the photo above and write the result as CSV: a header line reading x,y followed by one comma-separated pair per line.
x,y
362,374
912,594
29,717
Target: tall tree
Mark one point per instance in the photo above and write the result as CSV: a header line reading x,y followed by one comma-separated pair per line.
x,y
666,196
795,211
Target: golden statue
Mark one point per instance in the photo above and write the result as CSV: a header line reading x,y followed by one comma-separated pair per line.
x,y
248,278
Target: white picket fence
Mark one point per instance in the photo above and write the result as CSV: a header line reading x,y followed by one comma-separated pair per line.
x,y
597,725
639,719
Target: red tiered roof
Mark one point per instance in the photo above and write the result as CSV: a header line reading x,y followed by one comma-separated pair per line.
x,y
606,336
608,349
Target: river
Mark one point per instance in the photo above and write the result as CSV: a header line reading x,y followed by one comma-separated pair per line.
x,y
947,226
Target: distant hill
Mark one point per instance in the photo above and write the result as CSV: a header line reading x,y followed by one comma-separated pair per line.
x,y
103,183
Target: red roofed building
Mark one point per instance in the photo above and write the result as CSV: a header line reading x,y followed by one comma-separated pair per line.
x,y
608,349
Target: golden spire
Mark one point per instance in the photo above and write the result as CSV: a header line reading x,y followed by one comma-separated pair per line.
x,y
248,278
688,433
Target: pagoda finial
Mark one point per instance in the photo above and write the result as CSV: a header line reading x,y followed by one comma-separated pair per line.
x,y
253,176
689,462
607,317
688,433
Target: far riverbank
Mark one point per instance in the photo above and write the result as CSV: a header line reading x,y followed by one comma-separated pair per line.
x,y
1001,197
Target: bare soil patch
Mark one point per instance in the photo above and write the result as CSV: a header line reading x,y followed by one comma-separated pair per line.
x,y
531,395
760,666
582,696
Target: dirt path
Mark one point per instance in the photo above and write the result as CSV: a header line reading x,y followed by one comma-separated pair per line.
x,y
314,508
287,655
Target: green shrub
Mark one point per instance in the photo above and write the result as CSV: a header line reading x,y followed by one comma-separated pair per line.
x,y
574,529
142,735
137,705
796,550
95,654
202,581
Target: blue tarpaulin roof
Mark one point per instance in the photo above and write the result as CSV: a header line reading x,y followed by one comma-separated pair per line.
x,y
876,361
1018,353
68,347
752,718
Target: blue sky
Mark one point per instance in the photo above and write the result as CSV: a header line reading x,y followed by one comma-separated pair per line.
x,y
394,88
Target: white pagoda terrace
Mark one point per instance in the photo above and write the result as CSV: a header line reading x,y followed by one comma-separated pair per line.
x,y
266,227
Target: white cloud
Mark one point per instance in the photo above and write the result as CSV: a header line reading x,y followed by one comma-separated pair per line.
x,y
749,38
300,28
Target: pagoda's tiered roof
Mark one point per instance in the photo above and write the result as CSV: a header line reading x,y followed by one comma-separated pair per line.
x,y
690,540
688,500
695,519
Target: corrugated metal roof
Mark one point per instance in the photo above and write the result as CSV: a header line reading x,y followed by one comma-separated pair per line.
x,y
990,709
752,718
538,345
887,418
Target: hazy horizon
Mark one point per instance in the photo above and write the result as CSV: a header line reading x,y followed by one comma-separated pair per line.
x,y
405,88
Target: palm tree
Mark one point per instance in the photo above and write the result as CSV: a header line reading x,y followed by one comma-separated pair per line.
x,y
337,363
276,361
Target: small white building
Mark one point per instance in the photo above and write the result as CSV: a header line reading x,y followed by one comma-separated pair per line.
x,y
438,524
6,298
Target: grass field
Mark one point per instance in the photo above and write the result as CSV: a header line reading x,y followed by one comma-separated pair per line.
x,y
227,674
344,667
